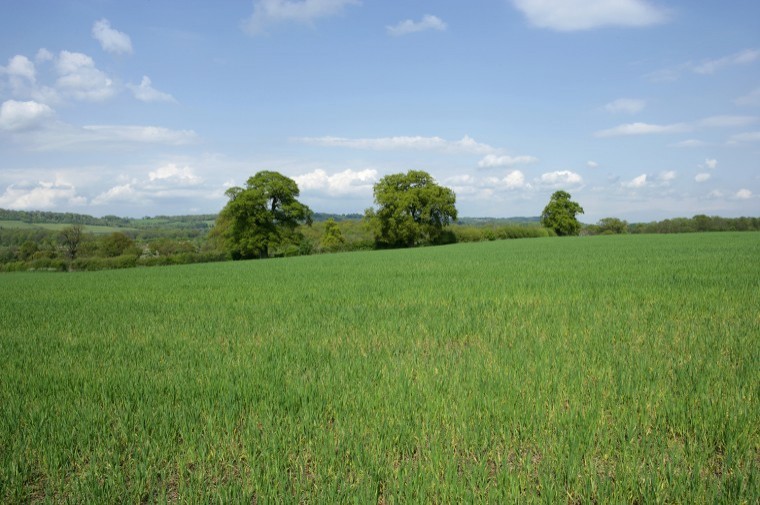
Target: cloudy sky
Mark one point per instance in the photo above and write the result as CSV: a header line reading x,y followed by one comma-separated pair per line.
x,y
641,109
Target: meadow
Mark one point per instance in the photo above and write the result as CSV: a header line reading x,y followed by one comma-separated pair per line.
x,y
609,369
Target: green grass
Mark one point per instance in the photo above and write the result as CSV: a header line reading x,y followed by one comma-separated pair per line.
x,y
604,369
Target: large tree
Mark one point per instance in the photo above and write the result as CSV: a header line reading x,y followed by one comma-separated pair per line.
x,y
413,209
559,214
262,216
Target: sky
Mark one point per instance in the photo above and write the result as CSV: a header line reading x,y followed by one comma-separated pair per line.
x,y
640,109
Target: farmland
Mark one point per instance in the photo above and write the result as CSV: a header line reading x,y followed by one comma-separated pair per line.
x,y
609,369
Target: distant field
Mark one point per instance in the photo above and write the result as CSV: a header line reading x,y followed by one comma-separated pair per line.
x,y
619,369
59,226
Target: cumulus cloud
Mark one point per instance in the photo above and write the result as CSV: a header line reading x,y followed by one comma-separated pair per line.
x,y
467,144
702,177
428,22
19,66
560,178
80,79
341,183
743,194
592,164
574,15
43,55
493,161
711,163
268,12
625,105
175,174
40,195
667,177
18,116
636,182
112,41
145,92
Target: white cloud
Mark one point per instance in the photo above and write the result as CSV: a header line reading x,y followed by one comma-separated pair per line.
x,y
20,66
120,193
43,55
147,93
17,116
668,176
751,99
341,183
705,68
711,163
563,178
743,194
702,177
688,143
636,182
648,129
493,160
112,41
41,195
625,105
428,22
592,164
513,180
267,12
467,144
642,129
572,15
741,58
80,79
745,137
140,134
175,175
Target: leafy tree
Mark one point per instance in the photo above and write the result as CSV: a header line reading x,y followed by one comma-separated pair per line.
x,y
413,209
612,226
116,244
71,237
262,216
332,238
559,214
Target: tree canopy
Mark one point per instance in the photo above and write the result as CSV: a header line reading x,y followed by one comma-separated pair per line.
x,y
413,209
262,216
559,214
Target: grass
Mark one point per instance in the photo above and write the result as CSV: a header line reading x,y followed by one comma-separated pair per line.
x,y
601,369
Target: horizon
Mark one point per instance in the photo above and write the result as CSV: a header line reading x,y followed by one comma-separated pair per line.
x,y
642,110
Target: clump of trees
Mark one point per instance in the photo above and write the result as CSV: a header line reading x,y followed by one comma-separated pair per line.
x,y
262,218
412,210
560,214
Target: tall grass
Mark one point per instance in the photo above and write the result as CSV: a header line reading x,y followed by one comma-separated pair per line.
x,y
601,369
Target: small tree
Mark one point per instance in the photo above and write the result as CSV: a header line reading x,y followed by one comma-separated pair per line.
x,y
559,214
71,237
332,238
116,244
261,216
612,226
413,209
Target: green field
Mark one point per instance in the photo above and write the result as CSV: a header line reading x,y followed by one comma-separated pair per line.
x,y
620,369
97,229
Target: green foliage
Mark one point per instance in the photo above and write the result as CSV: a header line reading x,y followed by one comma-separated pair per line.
x,y
476,373
71,237
261,218
413,210
332,239
607,226
560,214
116,244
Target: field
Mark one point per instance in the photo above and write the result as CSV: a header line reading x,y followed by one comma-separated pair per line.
x,y
620,369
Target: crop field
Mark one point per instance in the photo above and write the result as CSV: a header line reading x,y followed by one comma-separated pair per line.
x,y
618,369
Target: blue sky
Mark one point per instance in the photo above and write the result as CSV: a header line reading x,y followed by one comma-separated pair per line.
x,y
642,110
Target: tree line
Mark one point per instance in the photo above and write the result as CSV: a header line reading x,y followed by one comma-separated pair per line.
x,y
265,219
